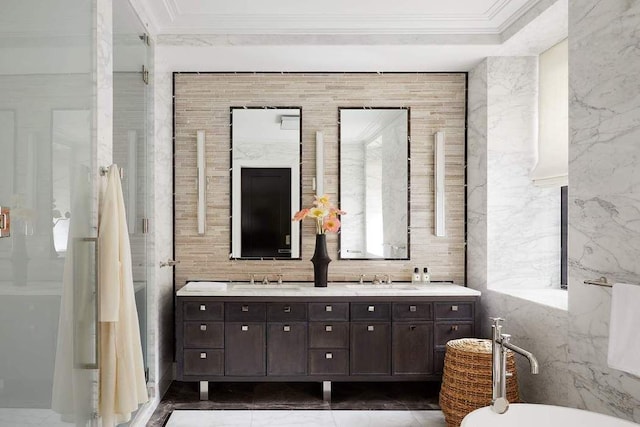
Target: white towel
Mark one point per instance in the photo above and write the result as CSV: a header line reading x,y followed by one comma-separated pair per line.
x,y
624,338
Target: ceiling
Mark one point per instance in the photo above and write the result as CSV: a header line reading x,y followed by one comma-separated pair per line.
x,y
353,35
335,16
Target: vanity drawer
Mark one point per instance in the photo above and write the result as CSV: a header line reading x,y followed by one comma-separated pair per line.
x,y
370,311
328,311
286,312
203,334
452,331
328,362
199,310
454,310
329,335
245,311
203,362
412,311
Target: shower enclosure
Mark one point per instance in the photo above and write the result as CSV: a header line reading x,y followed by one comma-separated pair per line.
x,y
49,182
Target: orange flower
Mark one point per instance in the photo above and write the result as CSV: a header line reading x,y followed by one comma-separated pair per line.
x,y
331,224
321,201
300,215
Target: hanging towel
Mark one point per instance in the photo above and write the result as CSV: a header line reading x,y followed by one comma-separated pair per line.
x,y
624,340
122,380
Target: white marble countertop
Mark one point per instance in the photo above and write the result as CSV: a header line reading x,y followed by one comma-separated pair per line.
x,y
306,289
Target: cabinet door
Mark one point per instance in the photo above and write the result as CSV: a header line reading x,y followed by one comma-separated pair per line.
x,y
370,348
287,348
412,348
244,349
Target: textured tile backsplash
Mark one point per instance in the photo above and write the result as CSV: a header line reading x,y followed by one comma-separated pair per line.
x,y
202,101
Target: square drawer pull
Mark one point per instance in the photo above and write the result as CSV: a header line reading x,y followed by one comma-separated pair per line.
x,y
244,328
328,328
371,308
203,355
370,328
454,308
245,308
454,328
286,328
328,308
203,307
287,309
412,327
203,327
328,355
413,308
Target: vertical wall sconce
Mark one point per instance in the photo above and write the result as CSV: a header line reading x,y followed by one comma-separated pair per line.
x,y
319,187
202,183
439,184
132,174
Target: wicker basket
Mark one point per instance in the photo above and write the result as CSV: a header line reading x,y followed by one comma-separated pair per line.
x,y
466,380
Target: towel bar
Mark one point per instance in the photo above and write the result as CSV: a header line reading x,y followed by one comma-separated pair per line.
x,y
602,281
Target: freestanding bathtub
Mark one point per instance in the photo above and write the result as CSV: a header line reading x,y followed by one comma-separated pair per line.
x,y
530,415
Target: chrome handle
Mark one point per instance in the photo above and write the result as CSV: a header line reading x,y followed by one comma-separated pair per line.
x,y
169,263
454,328
370,328
245,308
454,308
413,308
203,355
328,356
371,308
286,328
83,267
203,307
287,309
328,328
328,308
244,328
203,327
412,327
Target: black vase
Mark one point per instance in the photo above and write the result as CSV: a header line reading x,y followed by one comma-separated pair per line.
x,y
320,262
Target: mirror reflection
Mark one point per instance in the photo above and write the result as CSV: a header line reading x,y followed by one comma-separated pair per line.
x,y
265,181
374,177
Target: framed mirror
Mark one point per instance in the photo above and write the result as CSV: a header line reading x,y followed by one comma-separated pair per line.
x,y
265,182
374,183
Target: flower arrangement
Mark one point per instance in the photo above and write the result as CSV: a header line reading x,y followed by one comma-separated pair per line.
x,y
325,214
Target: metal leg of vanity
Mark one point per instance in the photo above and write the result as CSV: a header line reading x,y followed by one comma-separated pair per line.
x,y
204,390
326,391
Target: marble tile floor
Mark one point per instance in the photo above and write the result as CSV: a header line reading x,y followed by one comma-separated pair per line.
x,y
252,397
305,418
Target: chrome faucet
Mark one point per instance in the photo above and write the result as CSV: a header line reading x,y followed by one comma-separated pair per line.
x,y
252,279
376,280
265,280
279,279
387,278
500,343
362,279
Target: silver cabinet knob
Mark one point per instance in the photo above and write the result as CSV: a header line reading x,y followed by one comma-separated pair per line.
x,y
203,355
244,328
203,327
286,328
203,307
370,328
328,328
371,308
413,308
454,308
287,309
328,355
245,308
454,327
328,308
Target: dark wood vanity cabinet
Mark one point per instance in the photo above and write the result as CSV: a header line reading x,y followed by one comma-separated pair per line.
x,y
307,339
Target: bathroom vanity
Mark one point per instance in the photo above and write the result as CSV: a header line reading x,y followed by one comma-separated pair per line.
x,y
296,332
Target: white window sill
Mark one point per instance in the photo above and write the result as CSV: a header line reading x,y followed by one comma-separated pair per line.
x,y
556,298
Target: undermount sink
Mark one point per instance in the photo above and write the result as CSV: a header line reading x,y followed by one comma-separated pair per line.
x,y
269,286
383,286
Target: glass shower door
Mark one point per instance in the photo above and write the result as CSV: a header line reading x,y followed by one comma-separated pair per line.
x,y
47,181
